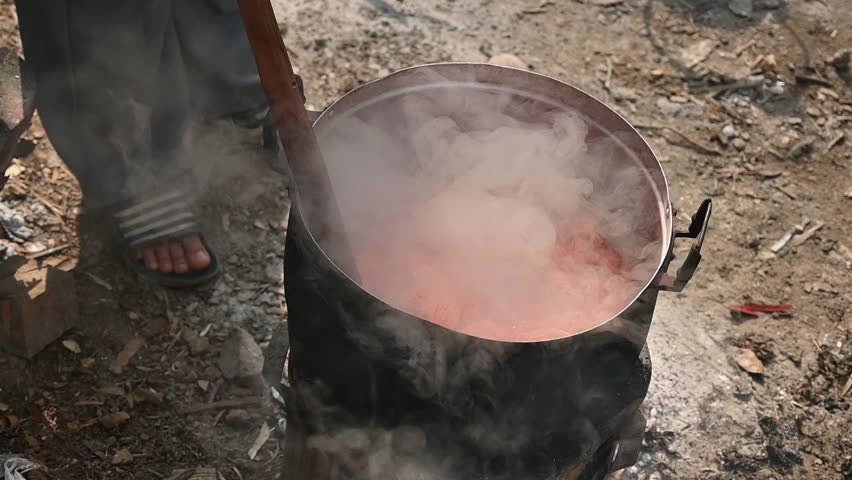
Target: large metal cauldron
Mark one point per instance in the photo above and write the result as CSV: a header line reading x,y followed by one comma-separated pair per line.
x,y
377,393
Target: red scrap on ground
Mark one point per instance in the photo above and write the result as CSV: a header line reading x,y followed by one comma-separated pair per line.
x,y
753,309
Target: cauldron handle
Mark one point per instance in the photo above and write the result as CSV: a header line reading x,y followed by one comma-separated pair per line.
x,y
294,124
696,229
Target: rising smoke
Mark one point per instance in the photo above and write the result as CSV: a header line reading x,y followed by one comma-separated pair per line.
x,y
492,216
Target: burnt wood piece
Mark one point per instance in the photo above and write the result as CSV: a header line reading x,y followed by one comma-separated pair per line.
x,y
37,305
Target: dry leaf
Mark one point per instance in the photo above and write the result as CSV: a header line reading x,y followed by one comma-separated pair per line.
x,y
142,395
87,362
14,170
72,346
122,457
114,419
123,358
749,362
203,385
14,422
260,441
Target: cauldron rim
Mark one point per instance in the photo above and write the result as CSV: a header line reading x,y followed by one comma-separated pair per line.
x,y
638,147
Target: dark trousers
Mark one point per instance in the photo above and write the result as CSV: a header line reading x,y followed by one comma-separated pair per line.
x,y
119,81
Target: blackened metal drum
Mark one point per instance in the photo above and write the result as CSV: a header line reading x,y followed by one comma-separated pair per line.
x,y
377,393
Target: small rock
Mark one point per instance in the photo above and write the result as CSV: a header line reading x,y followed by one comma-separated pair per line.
x,y
814,112
237,418
241,357
39,209
624,94
742,8
197,344
816,287
727,134
739,144
748,361
14,223
122,457
678,99
507,60
840,60
767,63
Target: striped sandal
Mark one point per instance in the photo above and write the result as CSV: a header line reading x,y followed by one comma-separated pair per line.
x,y
154,221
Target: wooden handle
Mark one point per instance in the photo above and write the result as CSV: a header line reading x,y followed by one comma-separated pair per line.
x,y
294,127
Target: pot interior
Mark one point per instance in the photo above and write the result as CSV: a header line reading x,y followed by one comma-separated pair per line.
x,y
493,202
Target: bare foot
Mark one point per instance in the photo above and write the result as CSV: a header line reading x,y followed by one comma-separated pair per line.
x,y
180,256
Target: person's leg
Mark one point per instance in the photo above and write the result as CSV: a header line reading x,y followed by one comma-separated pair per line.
x,y
99,68
219,62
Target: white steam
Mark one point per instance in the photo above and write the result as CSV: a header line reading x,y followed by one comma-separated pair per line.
x,y
461,210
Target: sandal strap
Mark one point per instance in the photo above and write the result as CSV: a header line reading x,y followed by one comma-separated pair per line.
x,y
156,219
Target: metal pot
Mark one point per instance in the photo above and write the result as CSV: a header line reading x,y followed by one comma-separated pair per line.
x,y
380,393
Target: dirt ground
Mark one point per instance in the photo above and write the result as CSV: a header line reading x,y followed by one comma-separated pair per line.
x,y
746,108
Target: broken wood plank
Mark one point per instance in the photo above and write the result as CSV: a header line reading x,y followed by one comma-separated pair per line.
x,y
37,305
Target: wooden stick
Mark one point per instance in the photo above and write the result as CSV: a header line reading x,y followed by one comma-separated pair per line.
x,y
294,127
236,403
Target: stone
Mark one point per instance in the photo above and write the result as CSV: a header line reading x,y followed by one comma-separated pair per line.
x,y
742,8
241,357
507,60
197,344
624,94
727,134
739,144
237,418
122,457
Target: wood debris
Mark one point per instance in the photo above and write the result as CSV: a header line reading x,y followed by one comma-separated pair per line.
x,y
236,403
846,387
261,439
834,141
195,474
691,142
697,52
130,350
72,346
807,234
98,280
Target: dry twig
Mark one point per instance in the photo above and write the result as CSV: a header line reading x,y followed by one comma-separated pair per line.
x,y
235,403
